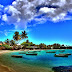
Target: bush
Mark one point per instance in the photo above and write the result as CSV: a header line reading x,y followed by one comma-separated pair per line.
x,y
2,48
7,47
23,47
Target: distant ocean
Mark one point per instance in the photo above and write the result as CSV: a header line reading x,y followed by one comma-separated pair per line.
x,y
42,62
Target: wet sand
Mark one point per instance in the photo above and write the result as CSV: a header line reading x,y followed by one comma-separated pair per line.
x,y
4,68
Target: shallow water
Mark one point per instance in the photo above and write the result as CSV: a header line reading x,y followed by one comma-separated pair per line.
x,y
43,61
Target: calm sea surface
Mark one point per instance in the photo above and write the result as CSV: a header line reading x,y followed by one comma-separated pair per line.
x,y
42,60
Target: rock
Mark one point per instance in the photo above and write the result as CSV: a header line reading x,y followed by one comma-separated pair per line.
x,y
62,69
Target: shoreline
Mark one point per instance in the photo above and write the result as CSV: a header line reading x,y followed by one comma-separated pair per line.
x,y
7,51
4,68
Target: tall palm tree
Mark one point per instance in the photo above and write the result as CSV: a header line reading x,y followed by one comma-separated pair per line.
x,y
16,36
24,35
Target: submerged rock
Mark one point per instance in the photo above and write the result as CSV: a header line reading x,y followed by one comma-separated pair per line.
x,y
62,69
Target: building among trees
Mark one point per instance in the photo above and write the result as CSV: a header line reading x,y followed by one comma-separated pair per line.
x,y
1,43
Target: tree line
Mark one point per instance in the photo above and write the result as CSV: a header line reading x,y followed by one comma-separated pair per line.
x,y
17,37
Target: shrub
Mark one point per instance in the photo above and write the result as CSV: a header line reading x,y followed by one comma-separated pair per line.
x,y
7,47
0,46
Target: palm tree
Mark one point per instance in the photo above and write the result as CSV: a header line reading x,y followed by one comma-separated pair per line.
x,y
16,36
12,42
24,35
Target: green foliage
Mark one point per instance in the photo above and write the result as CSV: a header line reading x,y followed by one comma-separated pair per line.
x,y
31,44
26,44
23,47
0,45
6,46
24,35
16,36
28,47
42,45
12,42
56,45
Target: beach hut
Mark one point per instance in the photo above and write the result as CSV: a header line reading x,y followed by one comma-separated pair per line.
x,y
1,43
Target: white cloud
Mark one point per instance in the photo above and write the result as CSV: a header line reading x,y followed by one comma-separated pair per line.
x,y
6,32
47,10
15,30
60,2
1,6
4,17
28,30
13,11
39,21
22,11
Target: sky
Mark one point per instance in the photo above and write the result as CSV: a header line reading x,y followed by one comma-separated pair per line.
x,y
45,21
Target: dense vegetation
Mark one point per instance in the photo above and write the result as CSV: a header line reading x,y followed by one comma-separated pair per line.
x,y
17,37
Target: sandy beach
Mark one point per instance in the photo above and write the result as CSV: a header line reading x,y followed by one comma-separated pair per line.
x,y
7,51
4,68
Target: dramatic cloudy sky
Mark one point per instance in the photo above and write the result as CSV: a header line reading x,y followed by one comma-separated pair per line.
x,y
46,21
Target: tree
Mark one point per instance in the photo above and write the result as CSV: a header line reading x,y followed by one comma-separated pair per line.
x,y
16,36
6,47
24,35
48,46
31,44
7,41
42,45
63,45
56,45
25,44
12,42
27,41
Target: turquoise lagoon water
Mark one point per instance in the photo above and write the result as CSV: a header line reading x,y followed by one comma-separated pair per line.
x,y
43,59
48,59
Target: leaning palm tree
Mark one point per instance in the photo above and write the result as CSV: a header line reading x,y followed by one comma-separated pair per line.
x,y
16,36
24,35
